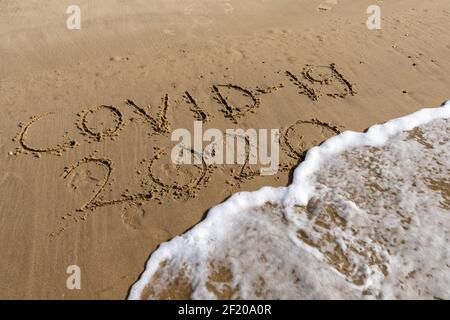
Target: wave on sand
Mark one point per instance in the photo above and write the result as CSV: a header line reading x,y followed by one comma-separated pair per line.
x,y
366,216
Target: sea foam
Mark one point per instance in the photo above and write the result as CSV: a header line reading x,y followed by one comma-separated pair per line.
x,y
367,216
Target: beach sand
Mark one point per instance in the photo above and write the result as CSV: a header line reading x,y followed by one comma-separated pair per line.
x,y
84,168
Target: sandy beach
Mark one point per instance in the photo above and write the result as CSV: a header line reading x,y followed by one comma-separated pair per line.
x,y
86,177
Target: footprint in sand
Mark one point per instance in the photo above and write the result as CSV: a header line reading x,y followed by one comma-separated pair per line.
x,y
83,179
234,55
133,217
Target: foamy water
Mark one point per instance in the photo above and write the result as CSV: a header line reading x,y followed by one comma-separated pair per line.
x,y
367,216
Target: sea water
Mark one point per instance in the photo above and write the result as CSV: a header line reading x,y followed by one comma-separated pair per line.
x,y
367,216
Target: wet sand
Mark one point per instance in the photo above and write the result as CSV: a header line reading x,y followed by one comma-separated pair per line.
x,y
85,171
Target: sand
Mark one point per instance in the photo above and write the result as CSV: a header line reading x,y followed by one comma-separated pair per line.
x,y
84,174
365,217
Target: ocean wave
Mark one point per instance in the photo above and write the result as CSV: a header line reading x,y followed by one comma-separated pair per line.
x,y
366,216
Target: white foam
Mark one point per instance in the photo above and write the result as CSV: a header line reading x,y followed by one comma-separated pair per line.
x,y
346,259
